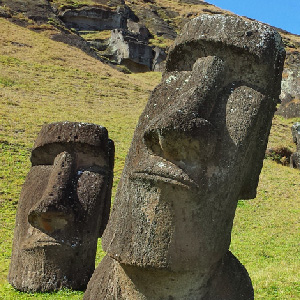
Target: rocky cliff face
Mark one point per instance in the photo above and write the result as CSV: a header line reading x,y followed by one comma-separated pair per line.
x,y
290,85
142,29
41,16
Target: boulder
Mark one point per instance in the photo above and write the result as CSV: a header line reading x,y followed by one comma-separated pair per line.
x,y
295,157
125,46
290,86
159,59
93,18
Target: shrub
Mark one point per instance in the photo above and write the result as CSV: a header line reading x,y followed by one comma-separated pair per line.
x,y
279,154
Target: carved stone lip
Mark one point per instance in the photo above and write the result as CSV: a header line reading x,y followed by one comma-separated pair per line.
x,y
37,242
166,178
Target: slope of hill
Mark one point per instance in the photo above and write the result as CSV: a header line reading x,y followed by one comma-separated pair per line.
x,y
43,81
162,18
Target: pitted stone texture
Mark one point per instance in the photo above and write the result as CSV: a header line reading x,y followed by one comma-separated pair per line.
x,y
63,208
38,10
290,87
68,132
126,46
240,35
296,134
198,148
123,282
295,157
93,18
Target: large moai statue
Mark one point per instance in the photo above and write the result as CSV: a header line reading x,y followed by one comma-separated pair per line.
x,y
295,157
198,148
63,208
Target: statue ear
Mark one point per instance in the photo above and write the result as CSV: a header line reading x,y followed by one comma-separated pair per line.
x,y
106,205
107,199
253,164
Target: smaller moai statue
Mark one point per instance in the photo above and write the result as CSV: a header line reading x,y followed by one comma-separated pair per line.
x,y
295,157
63,208
197,149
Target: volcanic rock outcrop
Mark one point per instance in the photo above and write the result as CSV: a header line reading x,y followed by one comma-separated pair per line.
x,y
295,157
290,87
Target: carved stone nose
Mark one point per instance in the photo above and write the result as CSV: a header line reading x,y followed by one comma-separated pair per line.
x,y
193,141
49,222
53,212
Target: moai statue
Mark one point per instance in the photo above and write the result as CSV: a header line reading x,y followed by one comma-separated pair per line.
x,y
295,157
63,208
198,148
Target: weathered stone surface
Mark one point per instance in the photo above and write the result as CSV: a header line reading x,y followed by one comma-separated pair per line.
x,y
149,17
98,18
122,282
295,160
112,3
141,30
41,12
37,10
198,148
296,134
290,87
93,18
125,45
63,208
295,157
159,59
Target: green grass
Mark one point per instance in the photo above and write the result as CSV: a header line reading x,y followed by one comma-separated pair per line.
x,y
266,234
74,3
95,35
45,81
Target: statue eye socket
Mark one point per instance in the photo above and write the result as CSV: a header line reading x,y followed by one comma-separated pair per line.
x,y
242,111
89,186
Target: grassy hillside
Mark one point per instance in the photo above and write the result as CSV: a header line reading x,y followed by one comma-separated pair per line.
x,y
43,81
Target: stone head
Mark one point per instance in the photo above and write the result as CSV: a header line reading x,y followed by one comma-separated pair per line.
x,y
198,147
63,207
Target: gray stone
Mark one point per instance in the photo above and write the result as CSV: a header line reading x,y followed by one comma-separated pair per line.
x,y
159,59
296,134
126,47
149,17
198,148
93,18
63,208
295,160
142,32
290,87
295,157
38,10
